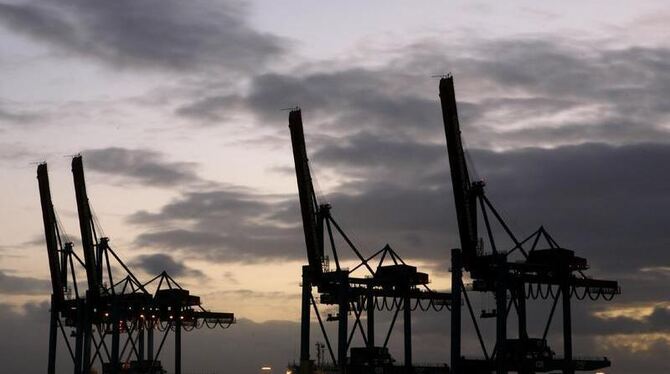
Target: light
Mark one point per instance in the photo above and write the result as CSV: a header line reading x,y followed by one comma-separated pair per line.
x,y
266,368
141,315
289,372
106,314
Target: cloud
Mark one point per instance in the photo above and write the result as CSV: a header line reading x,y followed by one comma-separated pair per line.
x,y
9,114
593,198
155,264
147,34
18,285
142,166
512,93
655,322
225,224
27,342
352,98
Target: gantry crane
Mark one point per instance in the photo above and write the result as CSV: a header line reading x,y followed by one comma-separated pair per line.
x,y
539,272
66,312
116,305
393,287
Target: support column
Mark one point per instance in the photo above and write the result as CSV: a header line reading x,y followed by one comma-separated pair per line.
x,y
305,363
521,311
501,316
150,342
456,277
79,339
343,320
88,334
177,343
370,317
567,325
407,322
53,337
140,340
116,332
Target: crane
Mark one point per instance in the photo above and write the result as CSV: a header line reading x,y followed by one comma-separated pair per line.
x,y
540,273
116,304
399,282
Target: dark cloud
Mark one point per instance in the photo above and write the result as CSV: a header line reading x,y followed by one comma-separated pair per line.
x,y
29,329
593,198
656,322
211,109
154,264
225,224
18,285
9,114
353,98
230,277
365,153
147,34
144,166
512,92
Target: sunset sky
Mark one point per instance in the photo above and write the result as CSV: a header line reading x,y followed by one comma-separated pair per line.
x,y
176,107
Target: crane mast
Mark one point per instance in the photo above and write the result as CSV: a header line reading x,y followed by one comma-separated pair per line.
x,y
51,237
50,233
308,204
117,305
90,260
511,281
465,191
85,226
354,295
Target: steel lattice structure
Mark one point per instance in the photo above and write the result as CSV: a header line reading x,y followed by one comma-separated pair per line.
x,y
527,270
391,285
115,320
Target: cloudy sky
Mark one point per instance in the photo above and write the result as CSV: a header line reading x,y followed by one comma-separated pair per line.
x,y
176,107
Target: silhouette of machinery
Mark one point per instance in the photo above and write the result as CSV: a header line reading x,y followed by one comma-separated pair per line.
x,y
115,319
527,270
387,283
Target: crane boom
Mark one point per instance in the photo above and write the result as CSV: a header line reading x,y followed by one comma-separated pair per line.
x,y
50,233
463,189
85,225
308,204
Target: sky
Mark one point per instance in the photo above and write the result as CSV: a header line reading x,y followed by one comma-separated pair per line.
x,y
177,109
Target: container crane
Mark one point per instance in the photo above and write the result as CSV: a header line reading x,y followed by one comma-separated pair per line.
x,y
117,306
64,311
402,284
547,272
